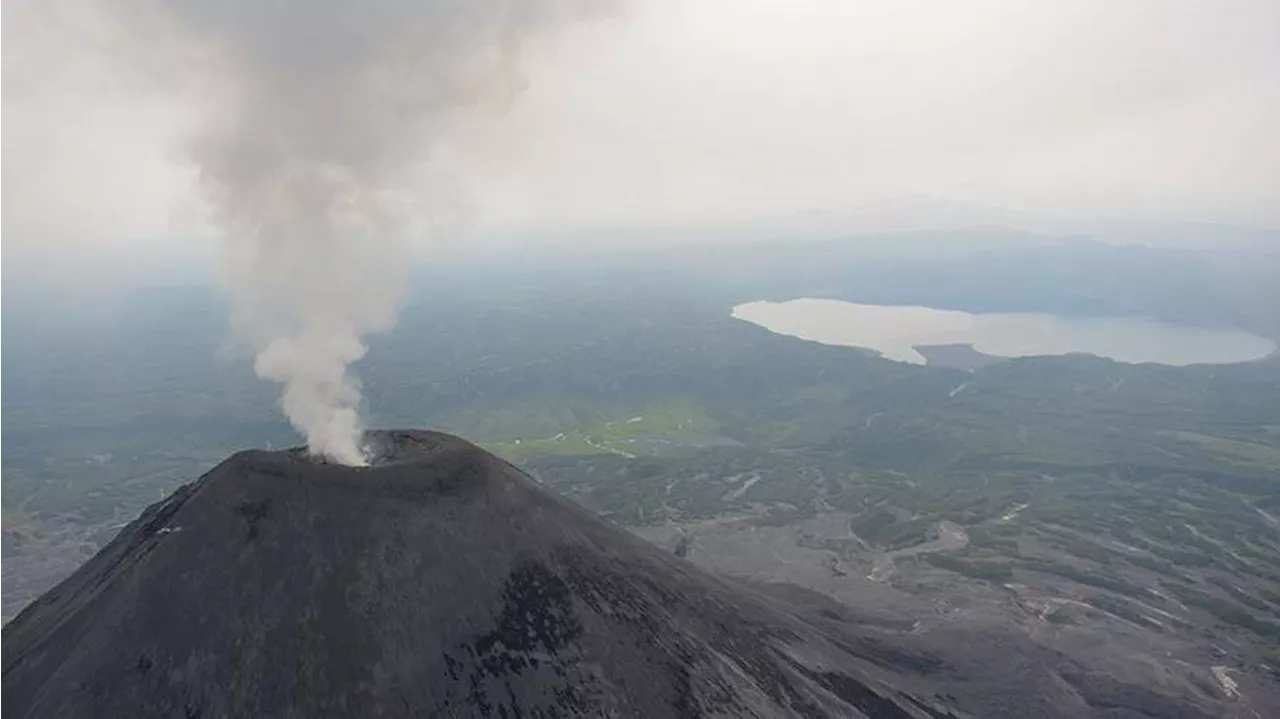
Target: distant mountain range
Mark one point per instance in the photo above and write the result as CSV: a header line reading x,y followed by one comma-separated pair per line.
x,y
913,213
895,220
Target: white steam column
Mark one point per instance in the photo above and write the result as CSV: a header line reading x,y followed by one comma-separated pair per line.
x,y
318,113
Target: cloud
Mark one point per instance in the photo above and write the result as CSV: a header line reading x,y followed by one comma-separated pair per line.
x,y
729,110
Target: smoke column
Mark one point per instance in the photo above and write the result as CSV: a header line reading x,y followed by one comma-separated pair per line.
x,y
318,112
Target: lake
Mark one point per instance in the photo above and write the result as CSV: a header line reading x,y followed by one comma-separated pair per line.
x,y
898,332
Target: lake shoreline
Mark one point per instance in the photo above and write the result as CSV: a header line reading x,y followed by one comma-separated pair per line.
x,y
953,338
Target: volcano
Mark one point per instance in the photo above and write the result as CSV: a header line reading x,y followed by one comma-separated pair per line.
x,y
439,581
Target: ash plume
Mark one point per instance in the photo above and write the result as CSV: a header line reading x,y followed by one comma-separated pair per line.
x,y
317,114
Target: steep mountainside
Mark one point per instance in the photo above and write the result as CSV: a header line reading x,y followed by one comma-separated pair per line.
x,y
441,581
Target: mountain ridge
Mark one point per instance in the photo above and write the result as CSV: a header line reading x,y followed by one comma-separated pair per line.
x,y
439,581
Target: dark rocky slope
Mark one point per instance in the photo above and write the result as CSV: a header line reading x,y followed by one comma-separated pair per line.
x,y
439,582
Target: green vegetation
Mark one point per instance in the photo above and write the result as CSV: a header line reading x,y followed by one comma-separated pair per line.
x,y
1227,611
571,444
1233,449
1079,476
1119,608
1060,617
998,572
623,436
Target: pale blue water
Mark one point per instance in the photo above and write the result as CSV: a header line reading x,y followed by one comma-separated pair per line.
x,y
895,332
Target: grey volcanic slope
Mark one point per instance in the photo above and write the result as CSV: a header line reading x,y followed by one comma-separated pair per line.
x,y
440,582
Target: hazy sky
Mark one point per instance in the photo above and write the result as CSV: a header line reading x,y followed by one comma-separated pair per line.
x,y
727,110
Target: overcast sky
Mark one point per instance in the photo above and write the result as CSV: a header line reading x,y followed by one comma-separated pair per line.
x,y
730,110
